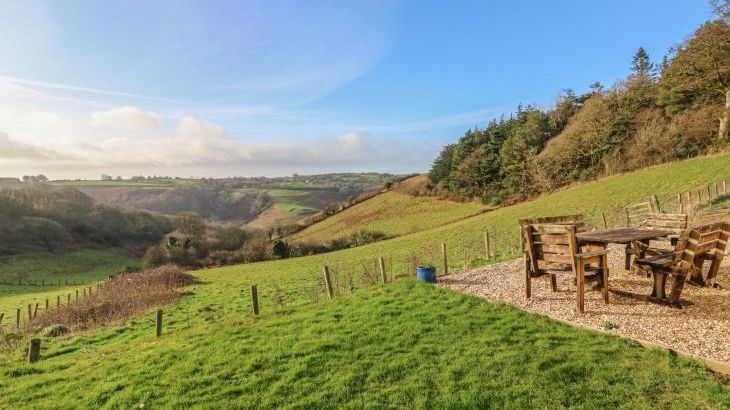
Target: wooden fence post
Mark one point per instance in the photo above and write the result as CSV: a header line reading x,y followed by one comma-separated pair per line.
x,y
689,202
46,305
158,323
724,188
30,313
486,245
58,301
699,197
68,302
77,295
327,282
255,300
35,312
655,199
680,209
709,194
34,350
381,265
17,318
446,260
605,224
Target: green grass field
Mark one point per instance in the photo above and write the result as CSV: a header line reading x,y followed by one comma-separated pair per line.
x,y
85,266
404,345
391,213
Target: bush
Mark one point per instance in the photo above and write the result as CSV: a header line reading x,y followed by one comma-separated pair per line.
x,y
154,257
118,299
257,249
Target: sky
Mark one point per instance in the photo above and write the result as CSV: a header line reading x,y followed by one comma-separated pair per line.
x,y
271,88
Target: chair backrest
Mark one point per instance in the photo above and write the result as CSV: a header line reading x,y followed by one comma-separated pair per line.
x,y
713,238
578,220
685,250
636,213
550,243
673,222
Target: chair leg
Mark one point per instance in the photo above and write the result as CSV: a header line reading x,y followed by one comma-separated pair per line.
x,y
528,280
581,287
696,274
677,285
553,282
658,293
604,269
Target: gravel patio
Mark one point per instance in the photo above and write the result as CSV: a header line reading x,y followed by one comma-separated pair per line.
x,y
701,328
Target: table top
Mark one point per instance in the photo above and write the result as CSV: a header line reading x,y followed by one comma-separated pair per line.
x,y
622,235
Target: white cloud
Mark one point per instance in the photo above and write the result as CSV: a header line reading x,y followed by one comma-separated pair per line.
x,y
13,150
129,118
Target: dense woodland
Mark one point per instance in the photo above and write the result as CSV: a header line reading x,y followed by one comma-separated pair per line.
x,y
670,110
41,217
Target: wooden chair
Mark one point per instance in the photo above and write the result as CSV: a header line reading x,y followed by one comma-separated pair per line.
x,y
656,220
577,219
552,249
676,263
711,246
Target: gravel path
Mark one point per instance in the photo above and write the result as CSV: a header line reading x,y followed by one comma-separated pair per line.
x,y
701,328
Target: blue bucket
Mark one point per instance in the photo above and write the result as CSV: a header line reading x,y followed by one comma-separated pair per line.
x,y
426,274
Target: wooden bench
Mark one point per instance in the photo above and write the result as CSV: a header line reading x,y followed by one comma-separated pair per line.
x,y
656,220
676,263
552,249
711,246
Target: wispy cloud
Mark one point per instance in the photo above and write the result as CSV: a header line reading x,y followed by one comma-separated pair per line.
x,y
69,87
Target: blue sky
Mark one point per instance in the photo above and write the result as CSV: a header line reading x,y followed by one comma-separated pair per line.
x,y
213,88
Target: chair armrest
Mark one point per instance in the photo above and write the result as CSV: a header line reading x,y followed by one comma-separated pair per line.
x,y
591,254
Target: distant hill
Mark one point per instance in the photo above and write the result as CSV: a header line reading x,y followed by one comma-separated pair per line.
x,y
261,201
394,213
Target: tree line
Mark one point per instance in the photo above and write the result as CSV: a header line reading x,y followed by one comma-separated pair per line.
x,y
42,217
675,109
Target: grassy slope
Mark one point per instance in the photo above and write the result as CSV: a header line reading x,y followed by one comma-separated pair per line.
x,y
404,345
295,278
392,213
85,266
607,195
401,345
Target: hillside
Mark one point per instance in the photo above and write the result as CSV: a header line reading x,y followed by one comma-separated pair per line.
x,y
400,345
49,275
296,277
393,213
262,202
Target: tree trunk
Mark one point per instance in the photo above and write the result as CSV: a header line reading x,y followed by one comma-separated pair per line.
x,y
722,131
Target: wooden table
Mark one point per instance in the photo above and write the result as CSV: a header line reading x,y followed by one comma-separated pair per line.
x,y
628,236
621,235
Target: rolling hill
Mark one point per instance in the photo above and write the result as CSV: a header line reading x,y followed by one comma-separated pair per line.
x,y
393,213
401,345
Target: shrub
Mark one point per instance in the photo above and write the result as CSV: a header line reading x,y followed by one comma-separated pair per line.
x,y
118,299
257,249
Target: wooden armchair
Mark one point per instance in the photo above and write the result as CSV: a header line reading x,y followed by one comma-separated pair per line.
x,y
552,249
711,246
676,263
655,220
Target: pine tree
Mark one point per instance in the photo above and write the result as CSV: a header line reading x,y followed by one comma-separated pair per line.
x,y
641,65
